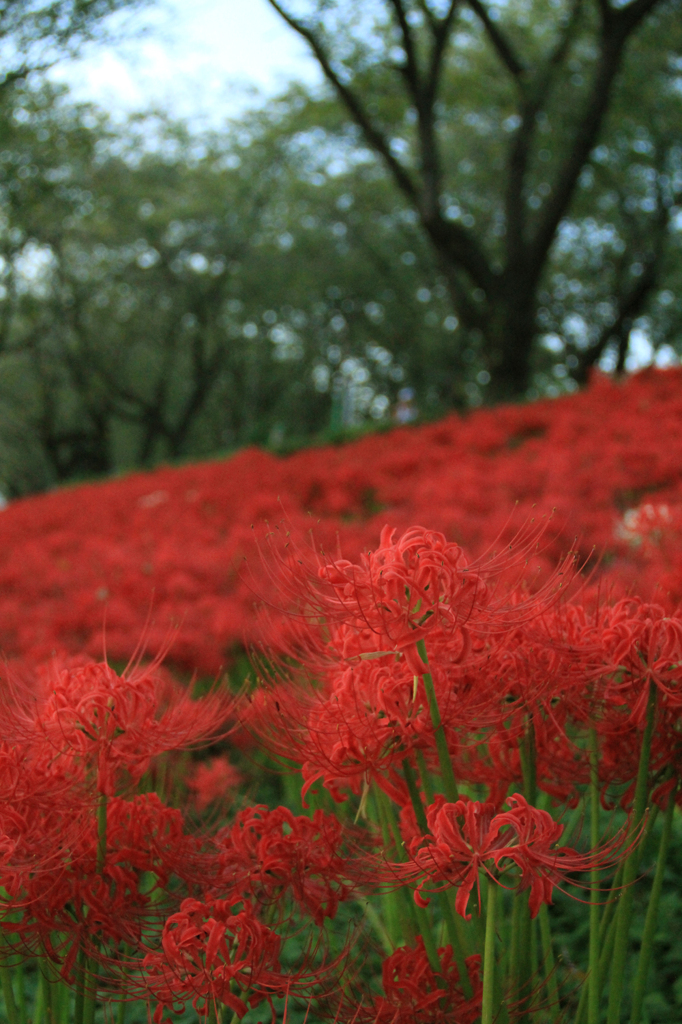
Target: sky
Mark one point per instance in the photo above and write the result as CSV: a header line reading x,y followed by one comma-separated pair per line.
x,y
203,60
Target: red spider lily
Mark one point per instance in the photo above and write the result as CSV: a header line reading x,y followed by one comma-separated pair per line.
x,y
468,836
642,644
212,781
84,902
113,725
68,554
416,994
216,953
43,809
266,853
404,589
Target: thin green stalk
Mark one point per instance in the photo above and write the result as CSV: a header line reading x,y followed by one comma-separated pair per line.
x,y
21,999
8,993
80,982
607,934
425,775
89,994
441,895
62,998
391,913
594,988
101,832
412,789
488,999
404,904
514,945
646,948
455,942
39,1005
549,963
47,997
528,764
607,926
624,914
90,984
426,930
378,925
419,915
525,951
446,769
573,822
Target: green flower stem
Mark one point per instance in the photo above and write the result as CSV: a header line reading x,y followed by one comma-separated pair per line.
x,y
47,997
39,1005
624,914
606,928
427,932
646,948
102,832
423,919
441,896
425,776
417,805
21,999
488,1001
80,983
446,770
528,765
594,990
417,919
89,983
8,993
548,963
513,972
402,900
607,935
525,952
378,926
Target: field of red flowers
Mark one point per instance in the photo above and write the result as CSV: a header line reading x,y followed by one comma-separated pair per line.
x,y
178,545
467,646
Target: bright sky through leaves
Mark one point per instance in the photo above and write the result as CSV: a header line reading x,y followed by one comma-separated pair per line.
x,y
200,61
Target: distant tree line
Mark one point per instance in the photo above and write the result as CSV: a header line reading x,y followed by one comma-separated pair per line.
x,y
166,294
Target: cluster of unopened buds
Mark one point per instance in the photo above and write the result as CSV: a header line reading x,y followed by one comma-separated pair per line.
x,y
452,735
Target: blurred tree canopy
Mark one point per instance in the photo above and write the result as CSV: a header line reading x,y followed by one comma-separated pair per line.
x,y
166,294
35,34
521,131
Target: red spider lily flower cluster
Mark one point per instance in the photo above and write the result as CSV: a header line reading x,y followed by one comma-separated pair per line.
x,y
267,851
212,780
211,953
452,707
414,991
73,739
469,838
115,551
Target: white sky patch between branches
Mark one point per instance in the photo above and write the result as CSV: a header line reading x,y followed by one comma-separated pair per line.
x,y
203,61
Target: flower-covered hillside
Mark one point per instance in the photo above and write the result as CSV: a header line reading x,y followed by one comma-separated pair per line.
x,y
171,544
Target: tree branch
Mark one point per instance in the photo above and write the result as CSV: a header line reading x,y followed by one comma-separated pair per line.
x,y
504,50
411,69
450,239
376,138
617,27
631,304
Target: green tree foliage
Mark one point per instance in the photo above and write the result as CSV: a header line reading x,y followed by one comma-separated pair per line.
x,y
35,34
173,295
539,147
169,296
